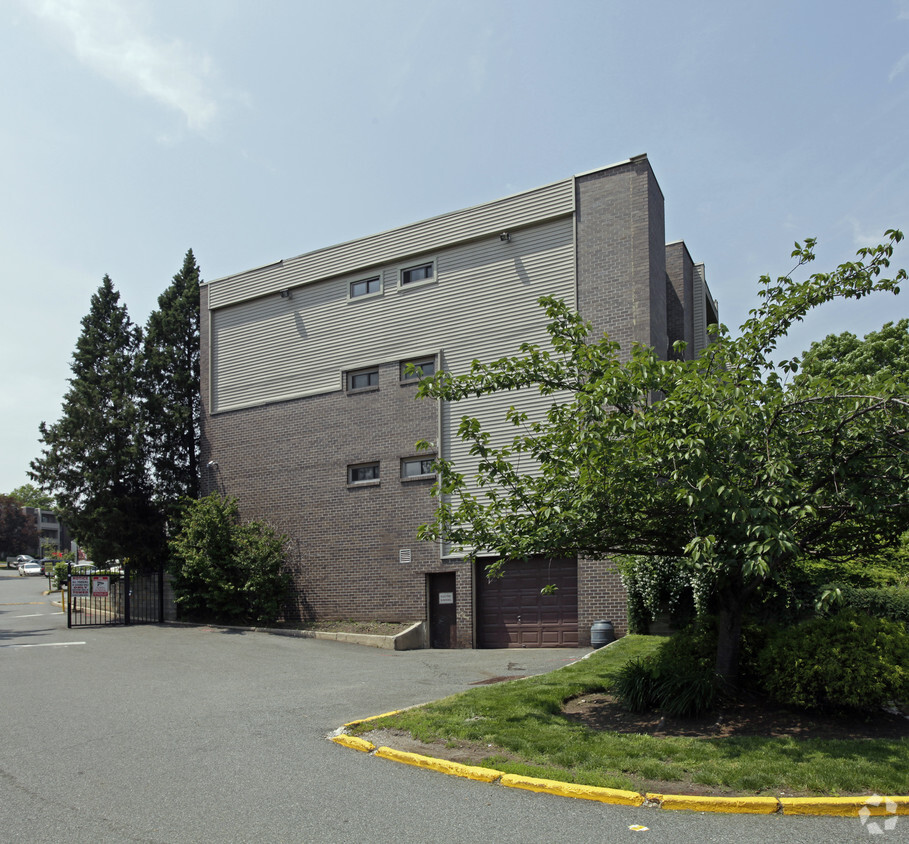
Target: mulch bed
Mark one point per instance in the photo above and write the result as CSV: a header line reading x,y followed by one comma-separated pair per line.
x,y
736,718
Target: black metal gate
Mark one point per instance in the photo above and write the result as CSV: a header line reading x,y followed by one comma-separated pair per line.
x,y
122,595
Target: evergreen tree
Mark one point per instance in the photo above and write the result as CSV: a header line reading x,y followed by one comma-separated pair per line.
x,y
170,388
93,460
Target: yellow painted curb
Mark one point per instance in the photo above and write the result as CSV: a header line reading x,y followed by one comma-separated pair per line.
x,y
844,806
731,805
568,789
441,765
372,718
354,743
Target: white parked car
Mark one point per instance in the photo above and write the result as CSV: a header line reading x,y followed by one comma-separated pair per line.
x,y
18,561
27,569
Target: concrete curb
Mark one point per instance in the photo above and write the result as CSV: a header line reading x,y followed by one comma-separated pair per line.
x,y
845,806
443,766
614,796
727,805
864,807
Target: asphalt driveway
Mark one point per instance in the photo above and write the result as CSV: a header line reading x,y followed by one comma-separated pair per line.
x,y
193,734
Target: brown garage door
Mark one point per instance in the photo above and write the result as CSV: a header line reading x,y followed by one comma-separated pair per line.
x,y
511,612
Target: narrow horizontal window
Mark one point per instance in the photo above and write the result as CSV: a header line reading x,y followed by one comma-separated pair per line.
x,y
363,379
363,473
414,370
417,467
365,286
421,272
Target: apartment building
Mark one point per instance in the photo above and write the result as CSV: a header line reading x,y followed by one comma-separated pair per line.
x,y
309,411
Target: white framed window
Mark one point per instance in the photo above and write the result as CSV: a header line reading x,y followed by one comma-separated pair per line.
x,y
422,368
366,286
363,473
417,467
423,272
363,379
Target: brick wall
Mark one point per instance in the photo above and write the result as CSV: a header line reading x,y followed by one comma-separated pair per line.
x,y
624,291
621,260
287,464
601,597
680,290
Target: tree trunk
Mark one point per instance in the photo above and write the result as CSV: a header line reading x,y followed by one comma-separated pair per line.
x,y
729,638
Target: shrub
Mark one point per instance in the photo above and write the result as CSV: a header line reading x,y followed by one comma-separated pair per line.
x,y
851,660
226,570
654,584
61,572
890,602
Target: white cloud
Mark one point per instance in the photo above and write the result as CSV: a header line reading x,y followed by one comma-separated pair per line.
x,y
899,67
902,13
108,36
478,61
863,234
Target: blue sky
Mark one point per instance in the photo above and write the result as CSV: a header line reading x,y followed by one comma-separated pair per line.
x,y
133,130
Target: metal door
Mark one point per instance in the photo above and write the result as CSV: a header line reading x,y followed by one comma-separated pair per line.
x,y
443,616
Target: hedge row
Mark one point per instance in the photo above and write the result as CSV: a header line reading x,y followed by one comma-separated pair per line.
x,y
890,602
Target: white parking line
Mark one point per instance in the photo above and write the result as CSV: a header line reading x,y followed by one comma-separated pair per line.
x,y
33,615
45,645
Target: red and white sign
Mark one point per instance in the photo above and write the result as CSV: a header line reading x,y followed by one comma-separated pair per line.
x,y
80,585
101,586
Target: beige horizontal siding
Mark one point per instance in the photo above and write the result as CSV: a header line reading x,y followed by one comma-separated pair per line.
x,y
512,212
482,304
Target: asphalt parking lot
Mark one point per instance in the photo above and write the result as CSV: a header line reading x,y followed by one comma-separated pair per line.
x,y
195,734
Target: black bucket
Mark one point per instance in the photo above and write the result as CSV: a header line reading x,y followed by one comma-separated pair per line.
x,y
601,633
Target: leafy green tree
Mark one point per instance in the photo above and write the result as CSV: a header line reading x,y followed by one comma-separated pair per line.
x,y
844,356
224,569
736,469
18,531
28,495
170,389
93,460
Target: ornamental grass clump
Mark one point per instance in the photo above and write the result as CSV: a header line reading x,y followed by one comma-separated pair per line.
x,y
678,680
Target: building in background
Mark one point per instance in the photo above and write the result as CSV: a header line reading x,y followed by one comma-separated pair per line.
x,y
309,416
51,531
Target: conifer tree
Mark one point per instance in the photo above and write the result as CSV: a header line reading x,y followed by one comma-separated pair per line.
x,y
170,389
93,460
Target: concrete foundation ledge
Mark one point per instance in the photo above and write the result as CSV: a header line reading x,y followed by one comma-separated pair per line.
x,y
730,805
413,638
567,789
443,766
370,640
852,807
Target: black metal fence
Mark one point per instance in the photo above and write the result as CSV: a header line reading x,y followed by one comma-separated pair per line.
x,y
124,596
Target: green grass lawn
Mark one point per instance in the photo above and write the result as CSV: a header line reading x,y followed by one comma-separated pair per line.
x,y
524,718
